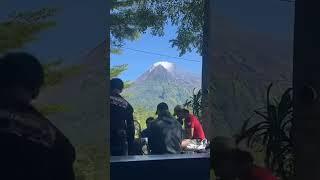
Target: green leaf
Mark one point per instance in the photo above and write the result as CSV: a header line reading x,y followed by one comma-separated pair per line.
x,y
22,28
52,109
132,18
115,71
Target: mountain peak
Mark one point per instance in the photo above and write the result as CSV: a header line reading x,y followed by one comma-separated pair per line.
x,y
165,64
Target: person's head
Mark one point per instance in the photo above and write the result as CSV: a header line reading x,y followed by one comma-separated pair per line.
x,y
243,162
224,166
148,121
21,77
222,160
116,85
184,113
232,164
162,109
177,111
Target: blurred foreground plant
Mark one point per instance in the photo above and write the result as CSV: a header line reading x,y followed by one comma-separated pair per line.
x,y
272,132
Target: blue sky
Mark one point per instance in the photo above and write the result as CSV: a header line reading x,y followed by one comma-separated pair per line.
x,y
139,62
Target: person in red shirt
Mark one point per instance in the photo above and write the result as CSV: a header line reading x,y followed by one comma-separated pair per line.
x,y
193,127
247,170
231,163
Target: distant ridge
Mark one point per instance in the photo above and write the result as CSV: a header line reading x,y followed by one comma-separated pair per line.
x,y
162,82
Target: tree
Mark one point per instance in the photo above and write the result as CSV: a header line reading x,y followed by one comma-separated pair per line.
x,y
115,71
131,18
21,28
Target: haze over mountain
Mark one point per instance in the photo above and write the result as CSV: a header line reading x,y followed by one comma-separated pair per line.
x,y
162,82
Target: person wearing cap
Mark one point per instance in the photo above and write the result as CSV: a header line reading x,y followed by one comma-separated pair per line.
x,y
178,109
31,146
193,126
122,128
166,132
231,163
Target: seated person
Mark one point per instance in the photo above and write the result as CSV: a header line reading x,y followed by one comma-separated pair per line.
x,y
146,132
194,131
231,163
177,109
166,132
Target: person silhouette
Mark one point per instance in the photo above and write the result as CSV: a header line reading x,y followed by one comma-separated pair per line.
x,y
31,146
122,130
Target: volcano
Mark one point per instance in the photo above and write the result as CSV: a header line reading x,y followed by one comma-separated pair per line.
x,y
162,82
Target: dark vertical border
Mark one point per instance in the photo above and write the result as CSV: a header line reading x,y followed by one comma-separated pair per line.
x,y
306,73
107,67
205,45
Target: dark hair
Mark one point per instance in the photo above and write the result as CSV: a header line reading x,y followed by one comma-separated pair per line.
x,y
162,107
149,119
185,110
21,69
116,83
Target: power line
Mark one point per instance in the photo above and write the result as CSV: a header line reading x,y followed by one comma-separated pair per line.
x,y
163,55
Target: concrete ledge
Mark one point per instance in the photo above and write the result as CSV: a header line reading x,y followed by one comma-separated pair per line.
x,y
161,167
114,159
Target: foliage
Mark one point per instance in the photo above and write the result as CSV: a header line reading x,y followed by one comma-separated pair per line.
x,y
51,109
141,114
54,74
195,102
131,18
138,129
89,160
149,94
273,133
22,28
116,51
115,71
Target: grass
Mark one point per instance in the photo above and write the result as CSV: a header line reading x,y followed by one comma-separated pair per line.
x,y
91,161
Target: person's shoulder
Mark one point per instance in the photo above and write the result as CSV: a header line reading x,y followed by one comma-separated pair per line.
x,y
29,125
156,123
119,101
263,173
193,117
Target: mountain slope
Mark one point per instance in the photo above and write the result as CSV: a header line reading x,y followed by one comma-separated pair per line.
x,y
163,82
